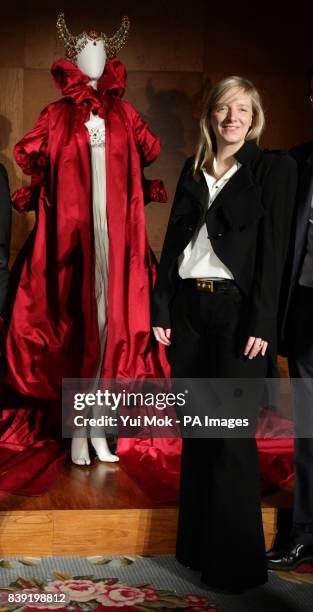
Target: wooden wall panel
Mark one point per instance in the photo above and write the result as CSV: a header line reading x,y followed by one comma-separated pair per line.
x,y
167,101
11,118
166,42
39,90
42,45
289,115
12,35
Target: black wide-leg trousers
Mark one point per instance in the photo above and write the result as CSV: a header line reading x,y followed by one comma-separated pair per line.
x,y
220,528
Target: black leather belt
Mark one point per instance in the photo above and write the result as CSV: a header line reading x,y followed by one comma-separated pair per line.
x,y
210,285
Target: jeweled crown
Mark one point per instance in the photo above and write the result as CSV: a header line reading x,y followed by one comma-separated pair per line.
x,y
74,44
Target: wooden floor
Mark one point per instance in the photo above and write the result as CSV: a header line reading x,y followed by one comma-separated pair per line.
x,y
94,510
95,487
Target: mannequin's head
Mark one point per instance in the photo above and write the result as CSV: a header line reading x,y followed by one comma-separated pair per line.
x,y
91,59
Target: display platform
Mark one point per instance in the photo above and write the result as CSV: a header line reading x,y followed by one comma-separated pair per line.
x,y
95,510
89,510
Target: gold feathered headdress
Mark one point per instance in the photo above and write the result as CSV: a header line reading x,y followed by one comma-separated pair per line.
x,y
74,44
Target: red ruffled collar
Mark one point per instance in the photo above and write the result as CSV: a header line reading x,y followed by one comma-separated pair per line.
x,y
74,83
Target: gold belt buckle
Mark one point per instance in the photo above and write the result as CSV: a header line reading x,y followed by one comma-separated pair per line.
x,y
205,285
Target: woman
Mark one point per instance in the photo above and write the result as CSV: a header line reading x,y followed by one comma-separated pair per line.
x,y
214,307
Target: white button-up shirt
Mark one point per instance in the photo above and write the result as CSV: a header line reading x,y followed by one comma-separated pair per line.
x,y
198,260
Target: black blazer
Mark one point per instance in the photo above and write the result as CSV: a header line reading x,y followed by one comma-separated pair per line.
x,y
5,233
303,155
248,225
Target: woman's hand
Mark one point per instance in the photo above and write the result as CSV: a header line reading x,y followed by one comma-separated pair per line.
x,y
255,346
162,335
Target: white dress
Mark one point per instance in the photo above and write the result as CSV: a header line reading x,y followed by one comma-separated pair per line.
x,y
96,129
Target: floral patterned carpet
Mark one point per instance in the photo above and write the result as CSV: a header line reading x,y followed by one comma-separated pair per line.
x,y
88,592
146,584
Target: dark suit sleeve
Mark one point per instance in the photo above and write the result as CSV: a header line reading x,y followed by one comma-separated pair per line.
x,y
162,292
279,192
5,233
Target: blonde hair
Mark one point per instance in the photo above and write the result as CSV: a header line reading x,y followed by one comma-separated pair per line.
x,y
206,147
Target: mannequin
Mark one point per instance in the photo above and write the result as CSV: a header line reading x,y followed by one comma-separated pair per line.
x,y
91,60
79,308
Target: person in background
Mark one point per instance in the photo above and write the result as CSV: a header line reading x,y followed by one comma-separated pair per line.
x,y
215,307
294,539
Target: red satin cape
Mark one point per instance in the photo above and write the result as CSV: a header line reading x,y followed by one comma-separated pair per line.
x,y
53,328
